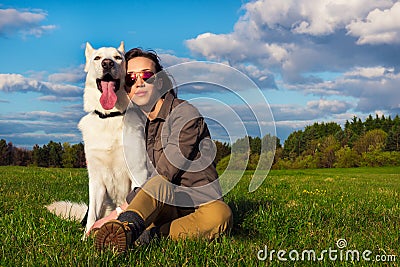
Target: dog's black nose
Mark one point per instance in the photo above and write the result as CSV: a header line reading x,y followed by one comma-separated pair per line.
x,y
107,64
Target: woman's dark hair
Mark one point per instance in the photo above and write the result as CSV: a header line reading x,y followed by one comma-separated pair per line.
x,y
152,55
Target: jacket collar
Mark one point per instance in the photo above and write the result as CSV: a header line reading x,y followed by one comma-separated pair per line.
x,y
166,106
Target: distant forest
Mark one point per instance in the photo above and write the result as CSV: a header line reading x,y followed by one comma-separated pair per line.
x,y
373,142
51,155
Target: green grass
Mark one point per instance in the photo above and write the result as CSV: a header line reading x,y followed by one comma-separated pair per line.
x,y
292,210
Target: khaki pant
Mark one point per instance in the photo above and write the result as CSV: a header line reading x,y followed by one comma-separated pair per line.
x,y
206,221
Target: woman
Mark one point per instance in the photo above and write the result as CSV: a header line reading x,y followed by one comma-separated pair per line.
x,y
177,201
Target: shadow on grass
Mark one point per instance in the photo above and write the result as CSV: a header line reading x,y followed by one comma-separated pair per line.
x,y
243,210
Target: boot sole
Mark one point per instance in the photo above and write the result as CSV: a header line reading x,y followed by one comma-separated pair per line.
x,y
113,235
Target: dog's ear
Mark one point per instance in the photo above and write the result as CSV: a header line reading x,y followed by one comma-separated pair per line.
x,y
121,47
88,53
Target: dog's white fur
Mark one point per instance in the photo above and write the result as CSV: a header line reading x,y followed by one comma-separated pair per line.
x,y
110,178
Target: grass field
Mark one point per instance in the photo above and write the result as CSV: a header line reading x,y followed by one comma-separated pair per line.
x,y
293,211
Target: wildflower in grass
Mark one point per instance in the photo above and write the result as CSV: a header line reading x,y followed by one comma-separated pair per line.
x,y
316,192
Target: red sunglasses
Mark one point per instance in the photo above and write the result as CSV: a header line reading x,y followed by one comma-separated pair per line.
x,y
131,78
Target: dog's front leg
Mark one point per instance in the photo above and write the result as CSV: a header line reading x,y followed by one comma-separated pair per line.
x,y
97,193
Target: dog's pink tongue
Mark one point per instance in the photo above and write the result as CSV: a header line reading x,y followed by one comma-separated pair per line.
x,y
108,97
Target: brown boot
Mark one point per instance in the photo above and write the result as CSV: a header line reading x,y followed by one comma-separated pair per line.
x,y
120,234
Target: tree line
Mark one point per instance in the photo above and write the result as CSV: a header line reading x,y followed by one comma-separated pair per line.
x,y
373,142
53,154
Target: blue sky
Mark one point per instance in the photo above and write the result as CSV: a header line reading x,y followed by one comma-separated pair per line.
x,y
314,61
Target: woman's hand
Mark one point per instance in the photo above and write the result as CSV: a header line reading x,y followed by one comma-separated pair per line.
x,y
112,216
99,223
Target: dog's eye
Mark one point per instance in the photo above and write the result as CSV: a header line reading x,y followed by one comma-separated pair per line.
x,y
118,57
97,58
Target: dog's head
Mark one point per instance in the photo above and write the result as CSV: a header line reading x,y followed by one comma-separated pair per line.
x,y
105,69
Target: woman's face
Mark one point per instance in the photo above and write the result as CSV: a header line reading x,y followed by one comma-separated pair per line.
x,y
142,93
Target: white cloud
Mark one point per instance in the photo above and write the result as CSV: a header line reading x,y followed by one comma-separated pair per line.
x,y
380,26
235,47
293,124
313,110
70,75
38,127
296,40
14,18
168,59
38,31
18,83
67,77
325,106
53,98
24,22
292,37
369,72
372,88
314,17
28,139
262,77
214,46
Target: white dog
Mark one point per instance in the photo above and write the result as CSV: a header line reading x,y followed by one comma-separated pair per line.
x,y
107,134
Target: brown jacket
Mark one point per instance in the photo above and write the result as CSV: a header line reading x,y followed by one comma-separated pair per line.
x,y
172,142
178,129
